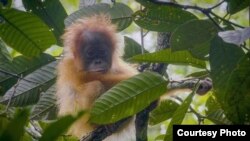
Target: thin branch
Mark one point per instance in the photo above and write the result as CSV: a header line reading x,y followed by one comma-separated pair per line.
x,y
142,37
142,41
19,77
215,23
181,5
244,46
212,13
145,34
217,5
205,11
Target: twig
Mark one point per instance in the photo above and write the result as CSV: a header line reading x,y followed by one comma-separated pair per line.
x,y
217,5
145,34
205,11
215,23
178,5
244,46
142,37
227,21
17,76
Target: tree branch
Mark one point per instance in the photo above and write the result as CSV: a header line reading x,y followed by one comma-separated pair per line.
x,y
205,85
141,122
206,11
224,20
104,131
217,5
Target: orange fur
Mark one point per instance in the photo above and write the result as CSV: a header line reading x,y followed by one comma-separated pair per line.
x,y
77,90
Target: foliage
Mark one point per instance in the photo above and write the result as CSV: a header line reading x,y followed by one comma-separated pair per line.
x,y
27,81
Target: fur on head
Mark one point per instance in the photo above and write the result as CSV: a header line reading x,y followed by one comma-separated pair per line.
x,y
97,23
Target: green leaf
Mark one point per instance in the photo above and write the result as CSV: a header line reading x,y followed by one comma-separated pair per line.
x,y
46,104
51,12
201,51
224,63
214,112
25,32
4,54
199,74
166,56
195,36
27,91
163,112
237,92
4,121
132,48
20,66
15,129
128,98
120,14
162,18
235,6
179,115
56,129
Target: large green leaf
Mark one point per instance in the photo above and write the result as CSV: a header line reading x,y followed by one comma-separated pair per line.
x,y
25,32
27,91
194,35
56,129
132,48
4,54
224,61
128,98
163,112
20,66
46,104
235,6
237,92
15,129
166,56
51,12
120,14
162,18
179,115
214,112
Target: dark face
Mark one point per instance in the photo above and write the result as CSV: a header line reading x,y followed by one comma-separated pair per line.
x,y
96,52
